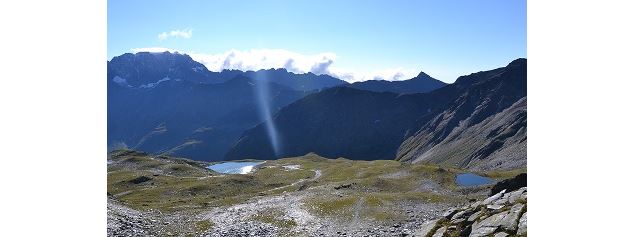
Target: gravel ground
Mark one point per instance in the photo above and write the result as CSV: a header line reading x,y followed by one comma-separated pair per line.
x,y
124,221
238,220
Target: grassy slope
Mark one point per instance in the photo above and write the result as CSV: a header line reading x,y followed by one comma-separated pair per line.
x,y
376,187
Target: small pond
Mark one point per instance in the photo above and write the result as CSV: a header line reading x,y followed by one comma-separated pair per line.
x,y
469,179
234,167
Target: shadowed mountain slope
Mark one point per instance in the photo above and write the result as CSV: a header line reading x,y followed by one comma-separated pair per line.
x,y
370,125
483,127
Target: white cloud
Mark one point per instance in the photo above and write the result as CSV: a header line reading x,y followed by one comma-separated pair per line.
x,y
256,59
390,74
185,34
154,50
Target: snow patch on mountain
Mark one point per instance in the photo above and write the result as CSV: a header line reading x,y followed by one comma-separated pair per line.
x,y
154,84
121,81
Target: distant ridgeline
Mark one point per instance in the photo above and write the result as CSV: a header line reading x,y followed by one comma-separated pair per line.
x,y
478,122
166,103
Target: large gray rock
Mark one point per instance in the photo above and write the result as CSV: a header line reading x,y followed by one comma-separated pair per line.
x,y
473,217
483,231
449,213
509,221
440,232
522,225
493,220
500,215
493,198
515,195
489,225
426,228
503,200
460,214
501,234
475,204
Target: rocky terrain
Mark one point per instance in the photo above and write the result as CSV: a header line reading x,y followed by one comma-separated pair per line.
x,y
125,221
502,214
302,196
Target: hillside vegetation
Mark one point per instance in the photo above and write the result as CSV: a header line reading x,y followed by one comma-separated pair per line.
x,y
307,194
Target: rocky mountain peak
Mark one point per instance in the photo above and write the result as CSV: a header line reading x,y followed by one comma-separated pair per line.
x,y
422,76
518,62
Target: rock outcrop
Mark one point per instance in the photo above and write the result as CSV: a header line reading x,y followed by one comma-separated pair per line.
x,y
502,214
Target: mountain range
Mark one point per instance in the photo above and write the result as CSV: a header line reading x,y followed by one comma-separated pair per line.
x,y
167,103
170,104
477,122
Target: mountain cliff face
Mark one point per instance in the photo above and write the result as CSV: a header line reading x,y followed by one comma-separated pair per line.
x,y
446,125
338,122
419,84
484,127
146,70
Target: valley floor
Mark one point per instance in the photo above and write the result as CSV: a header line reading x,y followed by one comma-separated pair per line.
x,y
302,196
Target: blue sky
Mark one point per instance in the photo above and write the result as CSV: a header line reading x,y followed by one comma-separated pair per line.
x,y
355,40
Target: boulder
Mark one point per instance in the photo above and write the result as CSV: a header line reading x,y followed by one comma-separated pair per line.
x,y
515,195
501,234
509,221
493,220
503,200
493,198
494,206
426,228
475,204
473,217
483,231
500,215
449,213
459,214
489,225
522,225
440,232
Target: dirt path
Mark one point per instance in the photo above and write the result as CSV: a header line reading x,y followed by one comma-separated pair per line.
x,y
318,174
357,208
